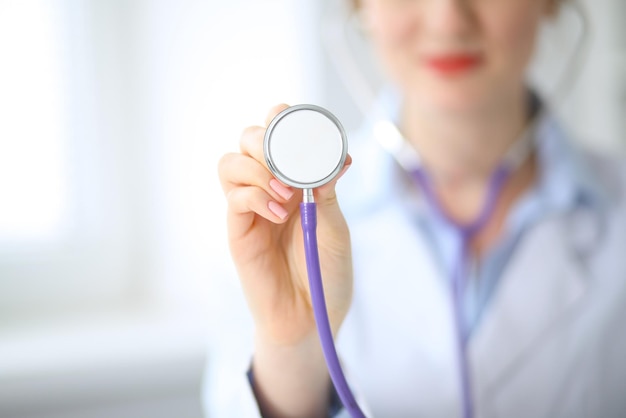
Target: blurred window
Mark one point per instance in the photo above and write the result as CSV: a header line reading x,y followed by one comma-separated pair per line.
x,y
113,116
33,150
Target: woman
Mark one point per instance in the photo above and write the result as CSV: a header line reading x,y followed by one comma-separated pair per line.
x,y
535,329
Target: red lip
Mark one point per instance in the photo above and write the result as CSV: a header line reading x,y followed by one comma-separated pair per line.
x,y
453,64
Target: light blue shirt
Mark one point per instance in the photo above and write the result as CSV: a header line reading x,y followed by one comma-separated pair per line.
x,y
561,187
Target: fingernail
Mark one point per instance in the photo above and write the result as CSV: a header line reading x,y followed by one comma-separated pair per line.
x,y
282,190
277,209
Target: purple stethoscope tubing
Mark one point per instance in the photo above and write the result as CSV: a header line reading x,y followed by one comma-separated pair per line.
x,y
308,211
308,215
466,231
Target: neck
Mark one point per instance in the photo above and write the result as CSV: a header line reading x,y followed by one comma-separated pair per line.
x,y
462,147
462,150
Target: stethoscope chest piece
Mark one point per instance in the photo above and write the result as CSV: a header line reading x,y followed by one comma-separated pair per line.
x,y
305,146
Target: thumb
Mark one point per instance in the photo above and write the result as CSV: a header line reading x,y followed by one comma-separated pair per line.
x,y
326,194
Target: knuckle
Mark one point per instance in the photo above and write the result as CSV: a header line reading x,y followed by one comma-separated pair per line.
x,y
233,197
251,139
224,162
224,169
245,199
250,132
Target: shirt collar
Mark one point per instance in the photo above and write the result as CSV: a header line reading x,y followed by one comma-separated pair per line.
x,y
566,178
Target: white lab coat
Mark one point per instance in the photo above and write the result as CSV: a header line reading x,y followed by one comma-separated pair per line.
x,y
552,341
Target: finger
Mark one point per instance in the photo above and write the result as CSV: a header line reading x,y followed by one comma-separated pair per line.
x,y
243,202
251,143
275,111
236,170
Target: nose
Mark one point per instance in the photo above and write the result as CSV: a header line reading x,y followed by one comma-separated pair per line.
x,y
451,18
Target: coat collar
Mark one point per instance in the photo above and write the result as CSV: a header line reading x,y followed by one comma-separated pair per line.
x,y
547,279
535,297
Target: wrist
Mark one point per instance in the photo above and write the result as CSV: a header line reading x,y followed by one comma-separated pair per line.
x,y
307,347
291,380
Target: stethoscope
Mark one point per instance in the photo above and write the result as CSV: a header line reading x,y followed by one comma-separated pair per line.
x,y
306,146
389,137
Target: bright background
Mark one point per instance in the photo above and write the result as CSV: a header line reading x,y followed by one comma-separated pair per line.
x,y
114,267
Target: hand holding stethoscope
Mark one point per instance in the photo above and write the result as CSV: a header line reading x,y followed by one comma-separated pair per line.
x,y
305,147
265,238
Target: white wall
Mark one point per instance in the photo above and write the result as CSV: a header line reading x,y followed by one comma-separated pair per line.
x,y
108,311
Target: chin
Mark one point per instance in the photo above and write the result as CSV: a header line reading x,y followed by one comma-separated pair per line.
x,y
454,100
452,95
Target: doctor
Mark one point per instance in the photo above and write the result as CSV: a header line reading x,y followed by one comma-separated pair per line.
x,y
540,315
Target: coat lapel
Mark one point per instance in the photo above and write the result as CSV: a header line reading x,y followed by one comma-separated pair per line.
x,y
541,287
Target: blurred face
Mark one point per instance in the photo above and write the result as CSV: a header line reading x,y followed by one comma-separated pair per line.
x,y
455,54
